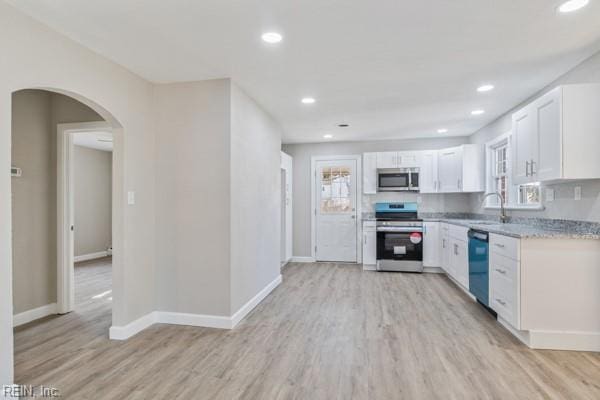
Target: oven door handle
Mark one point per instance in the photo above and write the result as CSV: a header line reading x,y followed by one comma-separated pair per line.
x,y
398,229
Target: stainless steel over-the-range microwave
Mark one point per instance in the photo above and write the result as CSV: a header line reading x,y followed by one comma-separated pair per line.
x,y
398,180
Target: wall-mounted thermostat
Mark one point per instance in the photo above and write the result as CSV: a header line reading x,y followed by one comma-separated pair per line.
x,y
16,172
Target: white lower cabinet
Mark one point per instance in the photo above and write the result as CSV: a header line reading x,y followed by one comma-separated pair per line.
x,y
369,243
445,247
431,244
454,253
504,281
459,259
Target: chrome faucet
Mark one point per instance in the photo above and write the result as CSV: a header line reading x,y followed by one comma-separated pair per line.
x,y
503,217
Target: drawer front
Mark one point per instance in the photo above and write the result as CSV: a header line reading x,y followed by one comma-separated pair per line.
x,y
505,246
504,306
459,232
504,288
504,268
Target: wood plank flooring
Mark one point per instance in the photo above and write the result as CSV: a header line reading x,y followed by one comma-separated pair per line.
x,y
330,331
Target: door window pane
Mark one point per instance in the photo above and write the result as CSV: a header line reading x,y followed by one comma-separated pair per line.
x,y
335,190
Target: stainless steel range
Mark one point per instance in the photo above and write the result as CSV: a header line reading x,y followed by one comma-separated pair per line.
x,y
399,237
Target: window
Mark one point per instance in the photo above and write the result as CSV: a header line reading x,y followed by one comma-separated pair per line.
x,y
500,170
499,178
335,190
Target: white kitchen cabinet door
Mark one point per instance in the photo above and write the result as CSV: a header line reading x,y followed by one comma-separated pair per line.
x,y
369,245
431,244
547,159
459,261
445,248
428,174
450,170
524,144
370,173
387,159
408,159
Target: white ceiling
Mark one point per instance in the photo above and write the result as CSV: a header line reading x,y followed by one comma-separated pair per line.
x,y
94,140
389,68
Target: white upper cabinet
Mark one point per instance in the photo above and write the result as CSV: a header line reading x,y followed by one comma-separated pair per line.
x,y
388,159
461,169
428,174
556,137
523,126
370,173
398,159
458,169
450,169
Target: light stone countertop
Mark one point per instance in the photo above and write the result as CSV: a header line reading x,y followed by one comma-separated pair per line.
x,y
520,230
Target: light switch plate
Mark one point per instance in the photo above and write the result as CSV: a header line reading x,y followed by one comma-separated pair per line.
x,y
549,194
131,198
577,192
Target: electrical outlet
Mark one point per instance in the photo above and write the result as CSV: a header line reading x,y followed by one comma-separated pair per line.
x,y
549,194
577,192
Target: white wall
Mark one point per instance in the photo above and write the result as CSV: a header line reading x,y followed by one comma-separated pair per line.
x,y
193,197
255,198
302,154
34,56
564,206
93,200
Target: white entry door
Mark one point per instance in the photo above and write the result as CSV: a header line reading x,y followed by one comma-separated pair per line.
x,y
336,222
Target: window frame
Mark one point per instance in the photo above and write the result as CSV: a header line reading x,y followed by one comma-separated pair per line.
x,y
490,177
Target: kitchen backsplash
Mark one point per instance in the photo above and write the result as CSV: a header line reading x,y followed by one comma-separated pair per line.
x,y
456,202
563,206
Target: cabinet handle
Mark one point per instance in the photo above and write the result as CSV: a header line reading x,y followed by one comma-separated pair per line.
x,y
503,272
443,243
458,183
365,239
501,302
526,168
455,249
499,245
532,171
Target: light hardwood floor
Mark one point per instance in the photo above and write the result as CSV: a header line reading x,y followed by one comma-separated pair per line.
x,y
330,331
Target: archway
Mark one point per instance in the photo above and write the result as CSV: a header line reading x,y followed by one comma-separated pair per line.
x,y
117,192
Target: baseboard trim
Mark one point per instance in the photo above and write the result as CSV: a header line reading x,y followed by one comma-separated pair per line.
x,y
132,328
32,315
91,256
303,259
369,267
433,270
201,320
564,340
206,321
253,302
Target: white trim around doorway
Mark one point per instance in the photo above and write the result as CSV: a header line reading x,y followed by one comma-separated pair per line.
x,y
65,273
313,201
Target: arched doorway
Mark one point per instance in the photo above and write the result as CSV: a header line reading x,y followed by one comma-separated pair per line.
x,y
117,191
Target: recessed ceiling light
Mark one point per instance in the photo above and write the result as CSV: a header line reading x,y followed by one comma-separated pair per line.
x,y
477,112
572,5
343,125
308,100
442,130
272,37
328,136
485,88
